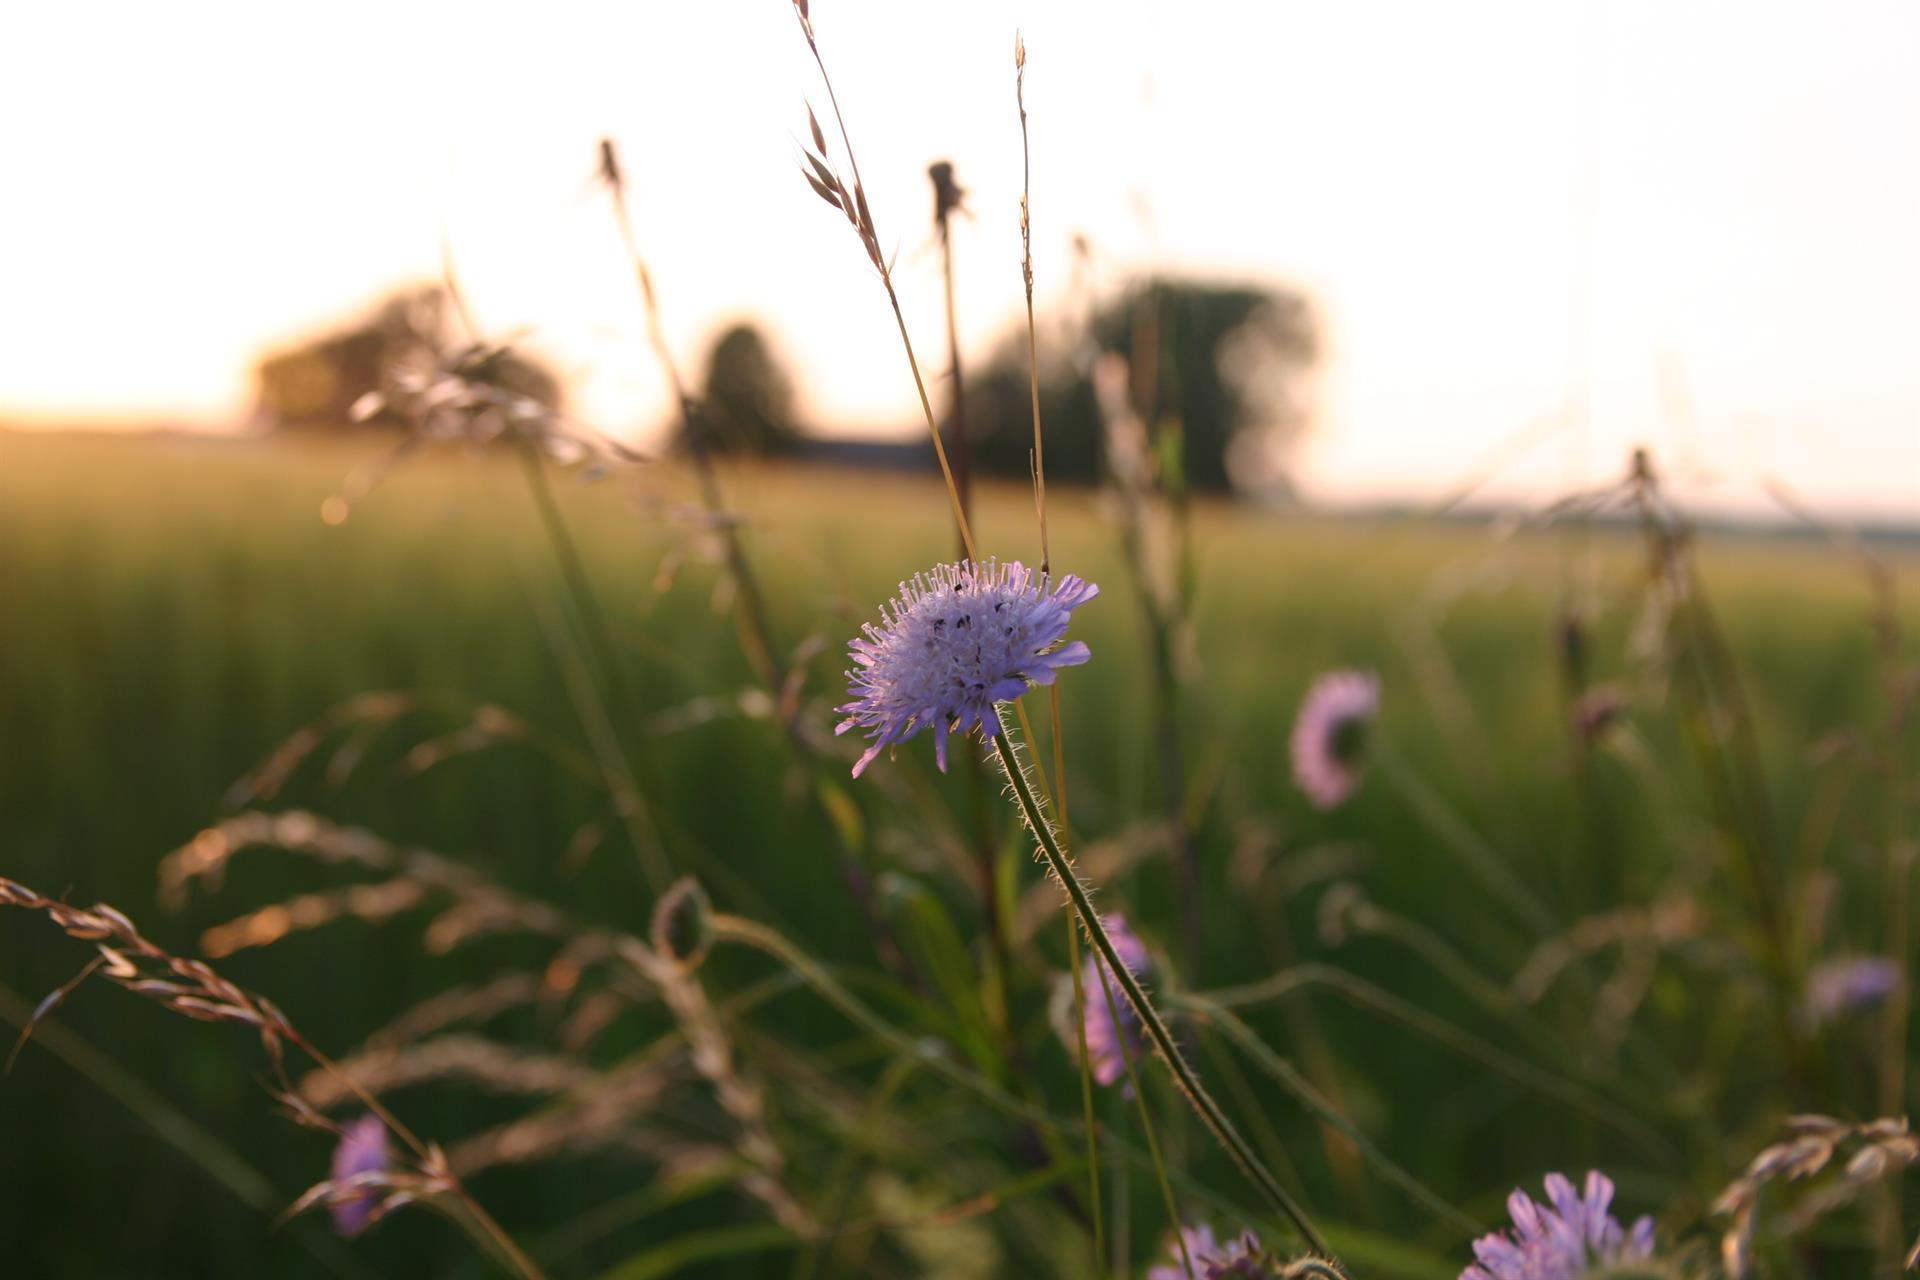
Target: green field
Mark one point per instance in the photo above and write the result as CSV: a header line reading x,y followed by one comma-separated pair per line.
x,y
176,608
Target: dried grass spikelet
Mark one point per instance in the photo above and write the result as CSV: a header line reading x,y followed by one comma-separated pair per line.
x,y
489,727
472,1004
475,1060
195,990
739,1095
373,709
376,1192
1667,922
126,958
682,929
269,924
597,1112
480,907
1880,1149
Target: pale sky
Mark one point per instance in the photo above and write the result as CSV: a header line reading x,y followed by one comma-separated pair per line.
x,y
1705,215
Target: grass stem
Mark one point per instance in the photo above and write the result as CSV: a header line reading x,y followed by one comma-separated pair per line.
x,y
1185,1078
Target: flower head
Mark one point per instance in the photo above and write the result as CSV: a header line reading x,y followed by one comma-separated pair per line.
x,y
1109,1041
1239,1258
1596,711
1838,986
1571,1237
1330,735
957,640
362,1151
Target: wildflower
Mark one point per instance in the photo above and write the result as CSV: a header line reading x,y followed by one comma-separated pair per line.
x,y
1109,1041
1596,711
1211,1260
1330,735
362,1153
1574,1237
957,640
1841,985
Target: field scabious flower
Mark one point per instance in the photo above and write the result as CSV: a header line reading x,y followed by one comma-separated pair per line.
x,y
957,640
1572,1237
1109,1041
1841,985
362,1151
1239,1258
1329,735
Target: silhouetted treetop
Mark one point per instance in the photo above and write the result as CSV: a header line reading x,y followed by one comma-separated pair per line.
x,y
746,399
1224,365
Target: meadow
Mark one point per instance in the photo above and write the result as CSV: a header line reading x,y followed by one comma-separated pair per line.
x,y
178,609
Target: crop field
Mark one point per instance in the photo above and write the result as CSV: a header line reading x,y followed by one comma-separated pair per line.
x,y
1624,794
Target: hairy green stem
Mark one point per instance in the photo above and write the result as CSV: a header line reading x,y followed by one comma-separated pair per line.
x,y
1184,1076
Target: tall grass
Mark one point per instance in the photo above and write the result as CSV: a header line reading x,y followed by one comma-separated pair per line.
x,y
476,807
170,656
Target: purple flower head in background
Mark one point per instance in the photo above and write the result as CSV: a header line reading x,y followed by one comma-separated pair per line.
x,y
1108,1041
1238,1258
1596,711
1330,735
957,640
362,1150
1839,986
1571,1236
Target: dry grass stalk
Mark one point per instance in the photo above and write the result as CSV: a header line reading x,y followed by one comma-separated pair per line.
x,y
482,907
373,709
1666,923
474,1004
195,990
597,1114
475,1060
1881,1149
268,925
850,198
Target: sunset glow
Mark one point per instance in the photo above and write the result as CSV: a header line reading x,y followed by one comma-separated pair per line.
x,y
1535,234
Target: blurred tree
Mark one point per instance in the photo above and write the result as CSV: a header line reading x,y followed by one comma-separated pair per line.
x,y
316,384
1227,363
746,403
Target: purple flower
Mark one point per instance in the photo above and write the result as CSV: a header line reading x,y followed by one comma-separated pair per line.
x,y
1574,1237
1109,1042
957,640
1212,1260
1596,711
362,1151
1838,986
1330,733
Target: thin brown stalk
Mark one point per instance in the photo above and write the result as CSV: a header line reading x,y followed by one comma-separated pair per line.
x,y
1059,791
756,629
1026,275
483,907
853,202
947,200
1164,1045
195,990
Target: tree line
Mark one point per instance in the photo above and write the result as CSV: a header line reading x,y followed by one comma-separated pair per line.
x,y
1217,380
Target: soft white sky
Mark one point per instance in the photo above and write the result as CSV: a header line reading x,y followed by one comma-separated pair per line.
x,y
1708,215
